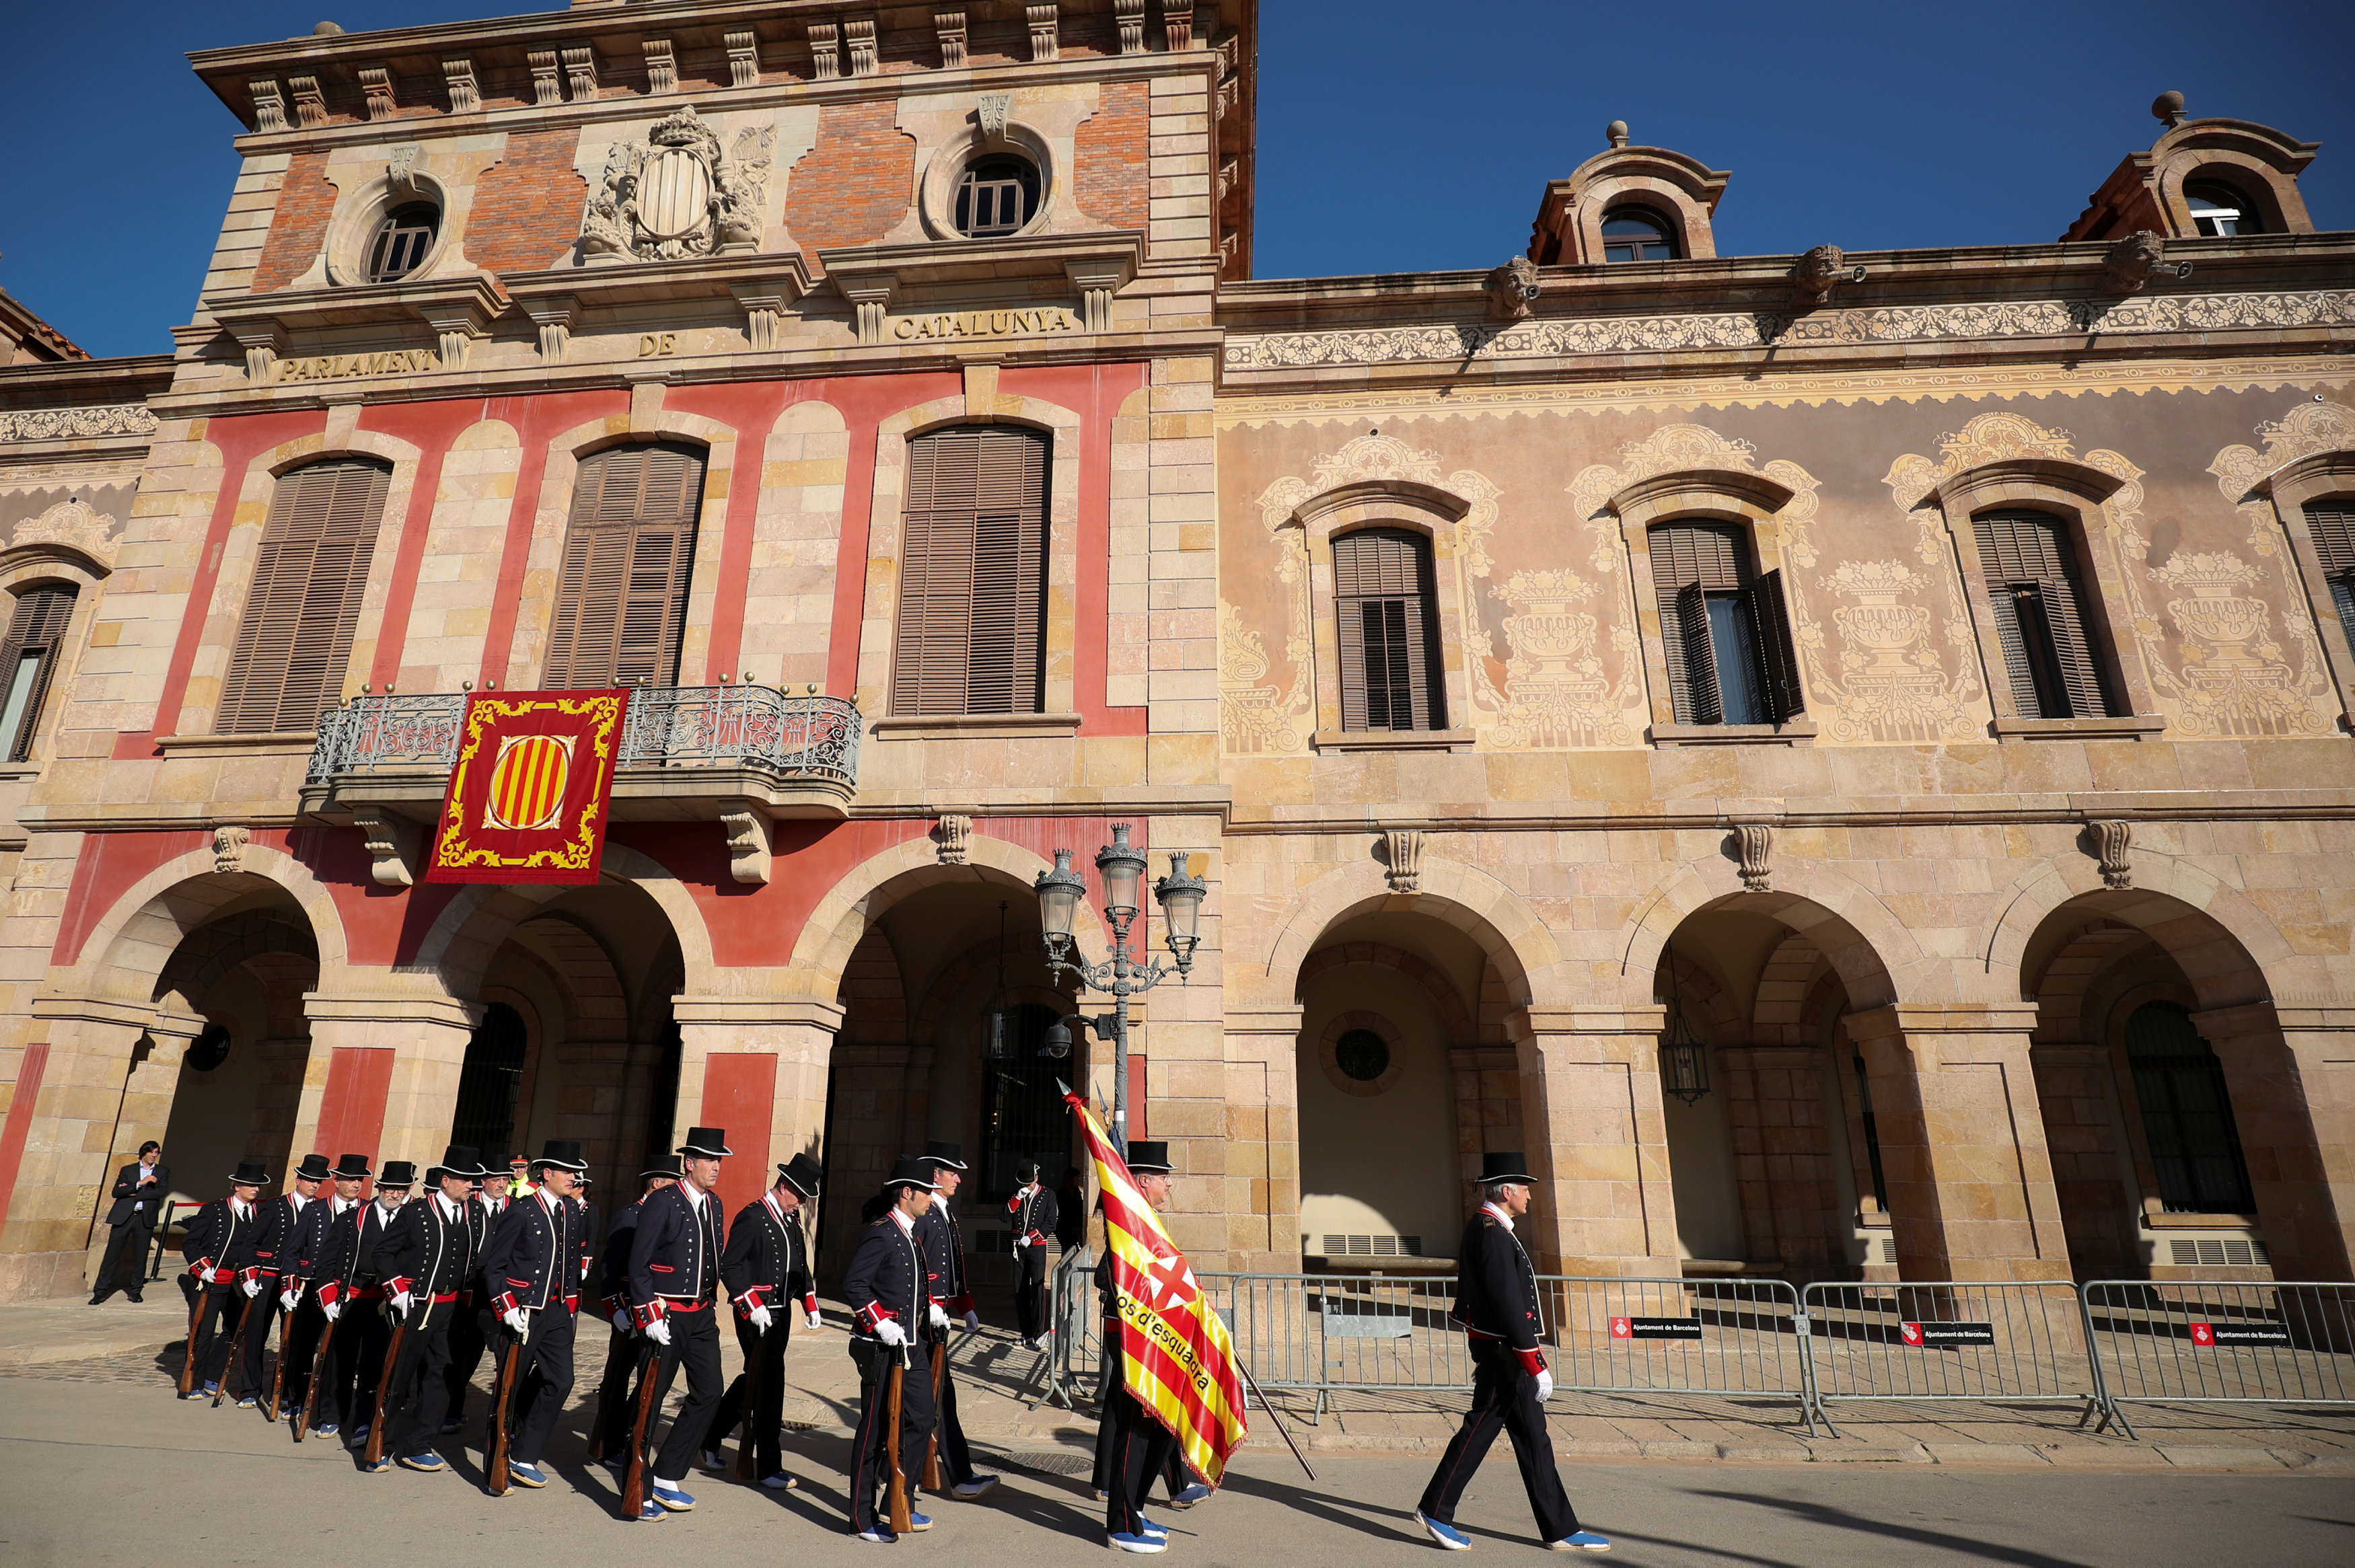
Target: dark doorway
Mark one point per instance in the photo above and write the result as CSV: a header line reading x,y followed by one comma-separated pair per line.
x,y
1022,1112
489,1083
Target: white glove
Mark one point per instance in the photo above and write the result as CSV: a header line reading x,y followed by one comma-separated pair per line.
x,y
659,1332
938,1320
252,1288
517,1320
1021,1242
332,1310
288,1297
890,1333
400,1302
1545,1386
812,1320
973,1320
761,1319
622,1322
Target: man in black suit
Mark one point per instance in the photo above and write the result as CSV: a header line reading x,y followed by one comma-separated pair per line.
x,y
140,1190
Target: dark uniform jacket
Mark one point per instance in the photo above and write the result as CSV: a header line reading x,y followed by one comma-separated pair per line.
x,y
943,1245
767,1261
888,1278
675,1257
481,1220
218,1243
128,1196
351,1267
310,1240
1035,1215
424,1251
614,1262
533,1258
272,1236
1496,1288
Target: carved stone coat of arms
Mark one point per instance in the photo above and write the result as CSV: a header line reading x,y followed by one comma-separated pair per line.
x,y
677,194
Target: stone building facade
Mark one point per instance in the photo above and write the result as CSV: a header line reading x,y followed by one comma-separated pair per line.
x,y
1844,760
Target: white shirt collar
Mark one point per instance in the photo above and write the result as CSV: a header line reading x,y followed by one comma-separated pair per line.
x,y
449,1210
297,1200
1503,1218
898,1217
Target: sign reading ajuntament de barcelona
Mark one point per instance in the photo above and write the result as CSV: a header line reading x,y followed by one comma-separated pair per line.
x,y
529,799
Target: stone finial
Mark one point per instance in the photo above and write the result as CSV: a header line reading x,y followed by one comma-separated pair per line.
x,y
1753,849
2114,845
327,30
858,36
751,849
1402,847
950,25
547,79
466,94
825,50
1510,288
2134,260
743,59
1615,133
1045,24
229,846
2168,109
376,85
954,836
662,65
1130,14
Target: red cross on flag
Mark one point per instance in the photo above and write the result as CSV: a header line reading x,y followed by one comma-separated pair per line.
x,y
1169,1283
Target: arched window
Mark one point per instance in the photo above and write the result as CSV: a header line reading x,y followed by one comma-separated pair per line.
x,y
2331,524
489,1081
2041,614
2219,211
1724,628
2187,1114
296,634
1392,675
972,633
1637,234
997,195
621,604
401,241
28,662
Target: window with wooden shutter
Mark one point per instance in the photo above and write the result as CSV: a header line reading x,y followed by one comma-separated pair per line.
x,y
28,661
2331,525
2041,615
629,551
1388,625
1725,630
296,635
972,632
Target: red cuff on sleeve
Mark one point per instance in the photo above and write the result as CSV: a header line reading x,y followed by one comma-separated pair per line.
x,y
1533,1362
329,1292
963,1304
397,1286
648,1314
573,1304
809,1302
749,1299
873,1315
504,1303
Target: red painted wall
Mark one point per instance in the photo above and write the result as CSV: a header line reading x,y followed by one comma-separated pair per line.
x,y
739,1097
351,1106
19,1125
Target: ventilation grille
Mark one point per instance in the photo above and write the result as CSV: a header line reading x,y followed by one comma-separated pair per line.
x,y
2217,1252
1373,1247
1888,1250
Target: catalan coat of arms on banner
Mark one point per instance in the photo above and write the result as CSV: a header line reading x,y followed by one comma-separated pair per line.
x,y
529,797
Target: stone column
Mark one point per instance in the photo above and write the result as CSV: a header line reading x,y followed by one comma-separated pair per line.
x,y
755,1066
1262,1152
389,1088
1596,1140
70,1089
1970,1194
2291,1073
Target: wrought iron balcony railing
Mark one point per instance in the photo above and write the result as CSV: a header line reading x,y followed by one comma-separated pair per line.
x,y
667,726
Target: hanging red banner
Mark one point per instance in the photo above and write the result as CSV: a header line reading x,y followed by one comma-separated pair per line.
x,y
529,799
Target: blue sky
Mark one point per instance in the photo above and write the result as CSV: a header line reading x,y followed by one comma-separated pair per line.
x,y
1393,136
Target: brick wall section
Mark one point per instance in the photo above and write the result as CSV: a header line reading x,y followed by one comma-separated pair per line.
x,y
1112,148
855,186
305,203
527,205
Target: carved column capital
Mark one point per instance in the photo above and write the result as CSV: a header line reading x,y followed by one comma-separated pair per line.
x,y
2113,845
1402,853
1753,848
954,836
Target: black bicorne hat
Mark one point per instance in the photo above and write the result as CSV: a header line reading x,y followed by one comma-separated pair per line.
x,y
250,1174
1496,1168
946,1156
313,1167
1149,1156
802,1174
564,1153
705,1143
398,1174
351,1168
910,1172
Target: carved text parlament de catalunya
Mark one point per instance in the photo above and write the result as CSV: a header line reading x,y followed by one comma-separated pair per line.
x,y
984,323
336,366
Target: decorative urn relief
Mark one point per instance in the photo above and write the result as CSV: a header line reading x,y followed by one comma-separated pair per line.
x,y
677,196
1553,639
2216,613
1877,631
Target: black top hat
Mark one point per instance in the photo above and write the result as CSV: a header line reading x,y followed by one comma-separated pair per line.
x,y
910,1172
945,1155
801,1173
1027,1171
705,1143
1149,1156
398,1174
659,1173
458,1159
351,1168
313,1167
250,1174
564,1153
1496,1168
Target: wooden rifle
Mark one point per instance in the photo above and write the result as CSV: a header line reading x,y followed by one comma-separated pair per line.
x,y
932,1444
236,1352
497,1458
320,1375
634,1488
601,1430
384,1383
286,1316
188,1361
901,1522
747,1460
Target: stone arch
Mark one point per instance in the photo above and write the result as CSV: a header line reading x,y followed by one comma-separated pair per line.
x,y
1873,952
135,938
1460,1028
468,934
588,982
1514,936
874,993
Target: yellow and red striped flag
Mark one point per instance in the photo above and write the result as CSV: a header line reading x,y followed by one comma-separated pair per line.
x,y
1176,1356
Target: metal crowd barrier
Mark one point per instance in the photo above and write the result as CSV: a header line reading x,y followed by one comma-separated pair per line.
x,y
1996,1341
1724,1337
1316,1333
2207,1341
1073,1355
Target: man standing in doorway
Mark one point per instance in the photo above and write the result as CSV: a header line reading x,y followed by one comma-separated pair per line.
x,y
674,1283
1497,1303
1035,1214
140,1190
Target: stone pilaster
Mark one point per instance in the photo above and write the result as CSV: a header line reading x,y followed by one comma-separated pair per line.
x,y
2291,1072
1596,1140
424,1037
755,1066
72,1085
1262,1152
1971,1194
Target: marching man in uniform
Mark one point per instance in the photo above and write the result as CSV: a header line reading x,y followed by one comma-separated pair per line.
x,y
424,1260
357,1353
533,1270
1035,1214
943,1245
219,1246
1131,1447
766,1271
470,1325
890,1302
306,1256
1497,1303
609,1435
674,1283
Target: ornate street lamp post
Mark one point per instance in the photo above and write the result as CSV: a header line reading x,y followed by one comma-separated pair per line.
x,y
1060,892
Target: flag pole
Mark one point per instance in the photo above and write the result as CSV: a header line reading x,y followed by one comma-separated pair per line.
x,y
1244,1367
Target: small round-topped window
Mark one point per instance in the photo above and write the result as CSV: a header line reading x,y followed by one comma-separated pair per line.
x,y
1362,1054
209,1050
401,241
1636,234
998,194
2219,211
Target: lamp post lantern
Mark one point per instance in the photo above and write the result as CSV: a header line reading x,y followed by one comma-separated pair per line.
x,y
1122,974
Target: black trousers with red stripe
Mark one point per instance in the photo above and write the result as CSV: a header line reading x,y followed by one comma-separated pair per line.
x,y
1504,1395
870,1455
